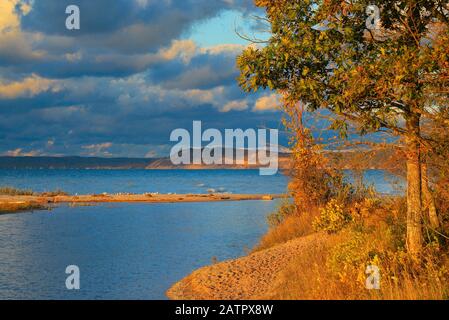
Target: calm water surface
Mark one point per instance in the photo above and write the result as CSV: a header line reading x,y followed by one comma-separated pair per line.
x,y
123,251
141,181
129,251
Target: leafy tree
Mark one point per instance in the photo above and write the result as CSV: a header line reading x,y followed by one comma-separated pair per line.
x,y
387,77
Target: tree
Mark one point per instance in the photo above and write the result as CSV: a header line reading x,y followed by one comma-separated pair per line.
x,y
386,78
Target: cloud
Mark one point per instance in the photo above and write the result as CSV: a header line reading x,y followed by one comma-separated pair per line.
x,y
125,39
28,87
116,42
20,153
207,69
128,77
8,19
81,62
267,103
237,105
125,25
151,154
185,49
100,149
15,46
233,49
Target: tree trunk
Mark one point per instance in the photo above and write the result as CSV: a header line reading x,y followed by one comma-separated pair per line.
x,y
414,199
429,201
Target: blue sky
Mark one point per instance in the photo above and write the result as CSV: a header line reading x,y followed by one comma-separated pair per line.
x,y
135,71
222,29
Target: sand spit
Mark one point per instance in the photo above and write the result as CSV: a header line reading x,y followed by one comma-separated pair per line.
x,y
135,198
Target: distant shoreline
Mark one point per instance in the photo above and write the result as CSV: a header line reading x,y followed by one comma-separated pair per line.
x,y
365,160
97,163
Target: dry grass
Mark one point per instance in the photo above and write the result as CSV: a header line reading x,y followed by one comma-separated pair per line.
x,y
12,207
55,193
334,269
308,277
292,227
10,191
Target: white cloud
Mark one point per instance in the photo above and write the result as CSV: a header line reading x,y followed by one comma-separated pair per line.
x,y
98,147
268,103
14,43
236,105
28,87
151,154
223,48
205,96
184,49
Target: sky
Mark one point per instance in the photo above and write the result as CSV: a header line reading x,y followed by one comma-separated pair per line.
x,y
135,71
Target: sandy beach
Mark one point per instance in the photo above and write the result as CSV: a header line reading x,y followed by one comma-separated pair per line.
x,y
247,278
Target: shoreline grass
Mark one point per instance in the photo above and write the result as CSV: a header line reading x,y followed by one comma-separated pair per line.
x,y
11,191
24,205
16,207
335,269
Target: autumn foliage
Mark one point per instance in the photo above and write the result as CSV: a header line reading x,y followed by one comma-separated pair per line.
x,y
394,79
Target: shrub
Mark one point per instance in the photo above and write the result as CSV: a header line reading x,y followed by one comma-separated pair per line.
x,y
333,266
348,260
333,217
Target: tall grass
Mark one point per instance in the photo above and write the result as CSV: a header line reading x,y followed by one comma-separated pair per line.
x,y
10,191
309,277
291,227
334,266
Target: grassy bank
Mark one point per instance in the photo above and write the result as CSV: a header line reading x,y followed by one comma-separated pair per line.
x,y
11,207
10,191
355,236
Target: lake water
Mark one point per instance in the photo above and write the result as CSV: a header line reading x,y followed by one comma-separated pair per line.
x,y
141,181
123,251
129,251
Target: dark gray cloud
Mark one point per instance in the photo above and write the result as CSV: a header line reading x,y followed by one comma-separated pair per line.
x,y
72,127
131,26
205,70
